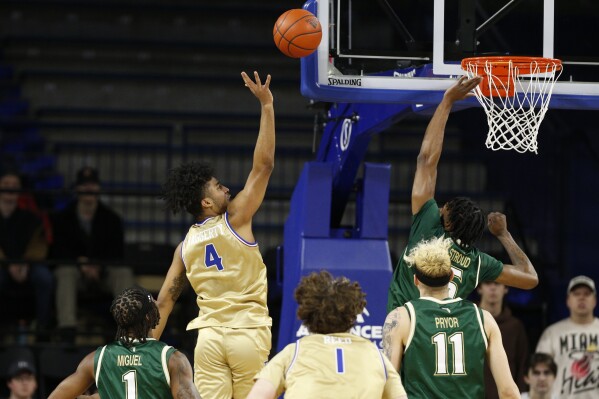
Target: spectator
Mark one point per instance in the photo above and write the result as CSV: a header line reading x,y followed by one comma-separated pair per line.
x,y
513,335
88,243
573,343
540,377
22,246
21,379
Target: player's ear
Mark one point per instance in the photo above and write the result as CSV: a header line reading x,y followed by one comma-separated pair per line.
x,y
416,281
206,202
451,277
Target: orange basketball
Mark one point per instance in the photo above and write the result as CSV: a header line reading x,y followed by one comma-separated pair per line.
x,y
297,33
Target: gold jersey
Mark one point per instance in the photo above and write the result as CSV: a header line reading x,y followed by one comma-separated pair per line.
x,y
227,274
328,366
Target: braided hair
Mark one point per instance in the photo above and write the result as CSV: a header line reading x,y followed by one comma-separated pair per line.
x,y
184,187
135,313
466,220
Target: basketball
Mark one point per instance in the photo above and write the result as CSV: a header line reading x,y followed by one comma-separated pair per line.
x,y
297,33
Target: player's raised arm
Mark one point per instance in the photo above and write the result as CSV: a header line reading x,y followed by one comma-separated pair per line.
x,y
521,273
425,179
497,358
78,382
181,377
246,203
172,287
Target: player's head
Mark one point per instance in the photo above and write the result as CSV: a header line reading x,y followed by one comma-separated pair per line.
x,y
327,304
192,187
135,313
463,220
541,373
431,263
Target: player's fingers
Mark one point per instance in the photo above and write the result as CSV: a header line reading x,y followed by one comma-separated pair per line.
x,y
267,83
475,81
257,78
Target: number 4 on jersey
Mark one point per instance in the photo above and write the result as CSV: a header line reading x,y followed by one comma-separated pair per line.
x,y
212,258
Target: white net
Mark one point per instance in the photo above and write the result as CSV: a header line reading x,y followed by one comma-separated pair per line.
x,y
515,96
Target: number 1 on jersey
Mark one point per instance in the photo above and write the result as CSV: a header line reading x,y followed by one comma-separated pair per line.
x,y
212,258
130,380
340,360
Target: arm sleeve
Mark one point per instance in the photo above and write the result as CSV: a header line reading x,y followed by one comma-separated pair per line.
x,y
393,386
490,268
275,370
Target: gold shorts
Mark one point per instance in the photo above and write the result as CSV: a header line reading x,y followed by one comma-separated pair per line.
x,y
227,359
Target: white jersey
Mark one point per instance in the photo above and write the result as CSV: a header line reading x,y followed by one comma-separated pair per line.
x,y
575,349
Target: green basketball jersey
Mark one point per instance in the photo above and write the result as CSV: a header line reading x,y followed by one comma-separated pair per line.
x,y
469,266
139,372
445,351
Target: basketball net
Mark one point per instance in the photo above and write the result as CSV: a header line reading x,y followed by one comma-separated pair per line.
x,y
515,94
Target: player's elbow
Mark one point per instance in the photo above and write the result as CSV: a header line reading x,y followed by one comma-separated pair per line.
x,y
509,392
534,282
265,165
427,159
531,282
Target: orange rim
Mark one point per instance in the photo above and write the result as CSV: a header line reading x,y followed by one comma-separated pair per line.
x,y
501,64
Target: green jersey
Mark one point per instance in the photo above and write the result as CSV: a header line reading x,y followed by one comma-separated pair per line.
x,y
445,351
139,372
470,266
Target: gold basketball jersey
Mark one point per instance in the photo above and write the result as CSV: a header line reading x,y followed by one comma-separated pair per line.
x,y
332,366
227,274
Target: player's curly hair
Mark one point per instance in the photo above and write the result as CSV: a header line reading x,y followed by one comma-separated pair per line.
x,y
328,304
184,187
135,313
467,221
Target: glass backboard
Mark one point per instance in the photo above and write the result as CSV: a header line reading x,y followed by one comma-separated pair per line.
x,y
407,51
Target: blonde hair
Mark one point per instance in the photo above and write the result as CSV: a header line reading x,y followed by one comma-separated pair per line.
x,y
431,257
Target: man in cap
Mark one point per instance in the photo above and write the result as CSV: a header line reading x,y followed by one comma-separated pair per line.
x,y
573,343
21,379
89,237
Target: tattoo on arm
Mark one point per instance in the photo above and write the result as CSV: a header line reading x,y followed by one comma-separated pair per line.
x,y
179,284
183,376
388,329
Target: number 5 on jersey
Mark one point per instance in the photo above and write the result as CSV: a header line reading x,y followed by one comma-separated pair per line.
x,y
212,259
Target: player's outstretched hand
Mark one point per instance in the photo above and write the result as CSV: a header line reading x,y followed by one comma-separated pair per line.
x,y
261,91
462,88
497,223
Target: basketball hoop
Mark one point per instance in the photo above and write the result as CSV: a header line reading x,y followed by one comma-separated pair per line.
x,y
515,94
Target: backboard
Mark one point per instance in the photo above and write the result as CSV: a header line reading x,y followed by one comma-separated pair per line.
x,y
402,51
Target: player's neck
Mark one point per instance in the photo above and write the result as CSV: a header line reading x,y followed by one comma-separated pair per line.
x,y
437,293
